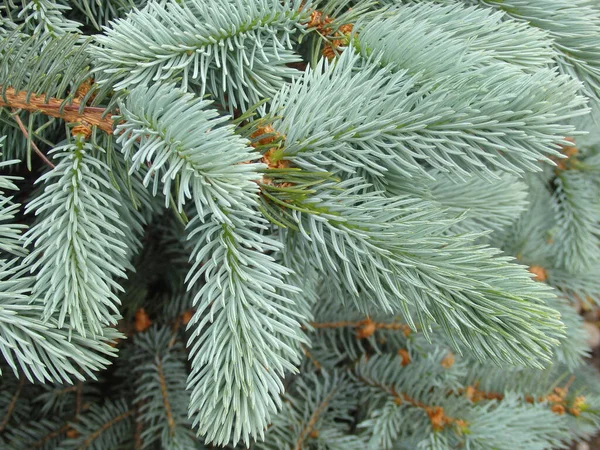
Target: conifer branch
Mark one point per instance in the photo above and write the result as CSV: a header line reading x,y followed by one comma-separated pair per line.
x,y
239,44
212,163
83,295
381,164
160,390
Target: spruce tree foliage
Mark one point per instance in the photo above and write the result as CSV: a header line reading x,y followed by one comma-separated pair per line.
x,y
335,224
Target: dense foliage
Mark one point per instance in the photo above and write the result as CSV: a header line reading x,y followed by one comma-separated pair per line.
x,y
288,224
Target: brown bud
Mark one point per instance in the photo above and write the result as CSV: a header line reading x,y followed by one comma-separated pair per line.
x,y
462,425
274,161
346,28
561,392
328,51
448,361
268,131
579,401
578,406
437,417
72,433
366,329
553,398
83,89
82,130
187,316
315,19
539,272
403,353
470,393
569,150
142,321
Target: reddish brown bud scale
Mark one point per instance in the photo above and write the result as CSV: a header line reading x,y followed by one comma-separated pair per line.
x,y
405,356
447,361
539,272
366,329
187,316
142,321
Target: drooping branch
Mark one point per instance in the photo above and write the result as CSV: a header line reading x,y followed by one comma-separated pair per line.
x,y
52,107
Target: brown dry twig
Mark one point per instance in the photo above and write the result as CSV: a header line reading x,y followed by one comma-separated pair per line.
x,y
26,134
12,404
438,418
92,116
366,327
308,430
165,396
106,426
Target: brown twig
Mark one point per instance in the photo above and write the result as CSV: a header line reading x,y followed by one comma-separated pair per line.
x,y
365,327
26,134
165,396
78,399
138,443
65,390
311,358
436,414
106,426
12,404
308,429
52,435
340,324
69,113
